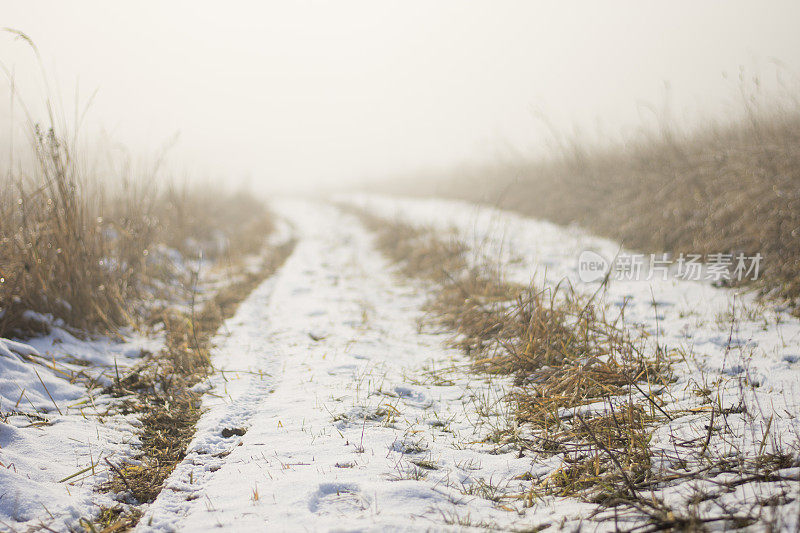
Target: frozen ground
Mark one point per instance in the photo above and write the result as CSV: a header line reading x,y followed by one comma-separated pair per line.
x,y
722,340
57,429
333,409
354,418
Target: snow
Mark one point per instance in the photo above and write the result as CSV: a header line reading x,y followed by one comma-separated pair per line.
x,y
342,399
334,408
56,429
763,344
750,361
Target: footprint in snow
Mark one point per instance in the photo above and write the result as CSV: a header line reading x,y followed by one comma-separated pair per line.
x,y
317,335
337,498
411,395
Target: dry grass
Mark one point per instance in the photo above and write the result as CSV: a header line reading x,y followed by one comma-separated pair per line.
x,y
731,188
81,230
76,250
94,258
53,252
591,391
159,389
94,250
98,258
86,252
560,348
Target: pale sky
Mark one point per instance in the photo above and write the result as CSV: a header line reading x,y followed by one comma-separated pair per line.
x,y
300,94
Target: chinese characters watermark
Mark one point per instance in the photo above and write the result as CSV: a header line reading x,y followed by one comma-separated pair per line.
x,y
717,267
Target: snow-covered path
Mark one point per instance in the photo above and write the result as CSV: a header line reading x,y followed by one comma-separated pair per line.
x,y
350,417
334,410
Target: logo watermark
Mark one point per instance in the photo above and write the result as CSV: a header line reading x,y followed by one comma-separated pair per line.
x,y
592,266
716,267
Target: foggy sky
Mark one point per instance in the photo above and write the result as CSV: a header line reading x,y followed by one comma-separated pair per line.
x,y
299,94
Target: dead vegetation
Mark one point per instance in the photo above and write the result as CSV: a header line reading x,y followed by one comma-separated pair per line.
x,y
91,254
593,394
87,237
93,259
160,389
729,188
94,249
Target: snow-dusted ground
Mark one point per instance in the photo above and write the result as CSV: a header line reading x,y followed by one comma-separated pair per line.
x,y
762,344
723,340
354,418
56,429
334,410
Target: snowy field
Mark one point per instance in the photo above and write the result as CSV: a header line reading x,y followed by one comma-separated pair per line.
x,y
334,408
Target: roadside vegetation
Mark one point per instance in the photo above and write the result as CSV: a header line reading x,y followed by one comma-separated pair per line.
x,y
160,389
595,398
732,187
106,249
170,260
92,250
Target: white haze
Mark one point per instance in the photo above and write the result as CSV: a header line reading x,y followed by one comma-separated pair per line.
x,y
300,95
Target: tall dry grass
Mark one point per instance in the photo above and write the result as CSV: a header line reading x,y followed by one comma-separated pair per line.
x,y
82,251
84,242
56,256
725,188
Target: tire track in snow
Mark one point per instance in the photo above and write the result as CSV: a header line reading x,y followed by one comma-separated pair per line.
x,y
244,367
346,432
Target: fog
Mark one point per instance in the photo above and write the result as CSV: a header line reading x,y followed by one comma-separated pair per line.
x,y
300,95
